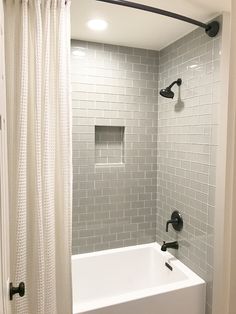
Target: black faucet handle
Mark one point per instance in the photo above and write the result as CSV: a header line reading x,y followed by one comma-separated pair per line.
x,y
176,221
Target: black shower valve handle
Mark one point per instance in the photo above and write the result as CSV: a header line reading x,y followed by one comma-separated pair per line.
x,y
176,221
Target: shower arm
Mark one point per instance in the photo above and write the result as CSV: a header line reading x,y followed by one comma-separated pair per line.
x,y
172,84
211,28
178,82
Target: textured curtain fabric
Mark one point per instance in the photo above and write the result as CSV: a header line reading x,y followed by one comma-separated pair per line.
x,y
40,162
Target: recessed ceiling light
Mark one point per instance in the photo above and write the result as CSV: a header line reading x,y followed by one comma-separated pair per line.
x,y
97,25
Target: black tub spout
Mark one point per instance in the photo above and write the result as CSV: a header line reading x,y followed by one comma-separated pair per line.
x,y
170,245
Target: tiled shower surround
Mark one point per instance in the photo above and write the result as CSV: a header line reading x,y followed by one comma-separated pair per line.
x,y
187,149
114,146
166,148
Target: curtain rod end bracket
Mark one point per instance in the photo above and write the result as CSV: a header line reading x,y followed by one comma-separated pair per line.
x,y
213,29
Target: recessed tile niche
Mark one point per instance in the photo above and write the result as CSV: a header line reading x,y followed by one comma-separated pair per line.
x,y
109,145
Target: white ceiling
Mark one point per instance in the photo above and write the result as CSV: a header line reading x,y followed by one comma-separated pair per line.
x,y
135,28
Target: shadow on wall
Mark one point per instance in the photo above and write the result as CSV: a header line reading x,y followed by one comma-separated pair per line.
x,y
179,106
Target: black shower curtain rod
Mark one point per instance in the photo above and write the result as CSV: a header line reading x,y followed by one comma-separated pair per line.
x,y
211,29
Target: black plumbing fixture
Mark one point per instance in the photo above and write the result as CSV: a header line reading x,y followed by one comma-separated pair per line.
x,y
176,221
169,245
211,28
167,92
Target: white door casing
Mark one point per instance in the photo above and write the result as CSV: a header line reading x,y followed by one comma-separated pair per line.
x,y
4,209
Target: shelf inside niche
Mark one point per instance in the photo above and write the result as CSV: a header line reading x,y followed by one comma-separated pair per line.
x,y
109,145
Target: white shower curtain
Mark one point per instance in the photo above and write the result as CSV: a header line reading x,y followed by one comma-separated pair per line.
x,y
39,141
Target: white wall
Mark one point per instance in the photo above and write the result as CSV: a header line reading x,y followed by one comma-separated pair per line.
x,y
4,223
224,301
231,183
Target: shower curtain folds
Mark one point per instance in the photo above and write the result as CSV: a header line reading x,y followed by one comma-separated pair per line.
x,y
39,143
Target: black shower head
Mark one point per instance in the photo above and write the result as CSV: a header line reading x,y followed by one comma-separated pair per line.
x,y
167,92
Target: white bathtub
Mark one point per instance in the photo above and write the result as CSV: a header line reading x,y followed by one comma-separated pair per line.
x,y
135,280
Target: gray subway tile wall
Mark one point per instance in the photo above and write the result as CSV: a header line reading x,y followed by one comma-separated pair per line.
x,y
187,128
114,99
